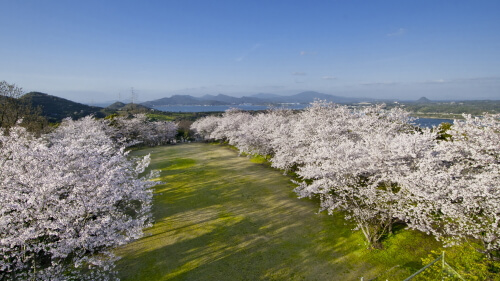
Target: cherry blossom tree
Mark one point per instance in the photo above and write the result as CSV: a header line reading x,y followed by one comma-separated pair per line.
x,y
164,132
349,158
256,135
293,139
66,201
454,193
204,127
140,130
225,128
228,127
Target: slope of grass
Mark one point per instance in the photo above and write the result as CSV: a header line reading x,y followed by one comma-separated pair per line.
x,y
223,217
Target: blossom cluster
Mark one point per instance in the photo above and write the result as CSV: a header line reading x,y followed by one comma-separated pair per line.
x,y
378,168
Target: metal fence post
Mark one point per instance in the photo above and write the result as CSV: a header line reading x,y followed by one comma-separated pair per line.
x,y
442,266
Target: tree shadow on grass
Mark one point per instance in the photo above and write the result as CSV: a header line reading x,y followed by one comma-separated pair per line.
x,y
237,248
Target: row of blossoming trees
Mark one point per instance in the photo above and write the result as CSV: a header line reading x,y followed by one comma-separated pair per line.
x,y
138,129
69,197
378,168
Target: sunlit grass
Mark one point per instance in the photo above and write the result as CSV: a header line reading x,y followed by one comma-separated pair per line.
x,y
222,217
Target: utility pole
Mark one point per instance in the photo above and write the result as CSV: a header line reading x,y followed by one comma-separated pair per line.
x,y
133,95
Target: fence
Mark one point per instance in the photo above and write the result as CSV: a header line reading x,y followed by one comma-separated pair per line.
x,y
446,269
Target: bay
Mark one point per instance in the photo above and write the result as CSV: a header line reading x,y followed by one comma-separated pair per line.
x,y
431,122
215,108
422,122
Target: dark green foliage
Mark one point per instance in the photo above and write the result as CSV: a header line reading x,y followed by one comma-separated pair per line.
x,y
55,109
443,129
184,132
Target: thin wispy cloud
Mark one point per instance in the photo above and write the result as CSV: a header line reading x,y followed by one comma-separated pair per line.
x,y
399,32
304,53
470,80
435,82
479,79
379,84
299,73
329,77
244,56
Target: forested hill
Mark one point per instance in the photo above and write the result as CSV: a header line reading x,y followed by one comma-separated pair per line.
x,y
131,107
55,109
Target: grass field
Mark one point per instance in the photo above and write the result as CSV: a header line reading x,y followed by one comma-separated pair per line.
x,y
223,217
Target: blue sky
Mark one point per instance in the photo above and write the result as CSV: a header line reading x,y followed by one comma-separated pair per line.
x,y
93,51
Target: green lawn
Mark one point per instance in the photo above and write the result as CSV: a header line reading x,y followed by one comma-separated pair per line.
x,y
223,217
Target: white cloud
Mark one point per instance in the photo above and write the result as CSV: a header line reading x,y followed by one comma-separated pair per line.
x,y
399,32
304,53
329,78
299,73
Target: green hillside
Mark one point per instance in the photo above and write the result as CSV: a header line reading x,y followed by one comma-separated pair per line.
x,y
55,108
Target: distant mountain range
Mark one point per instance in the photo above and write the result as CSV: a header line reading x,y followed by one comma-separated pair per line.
x,y
55,108
258,99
